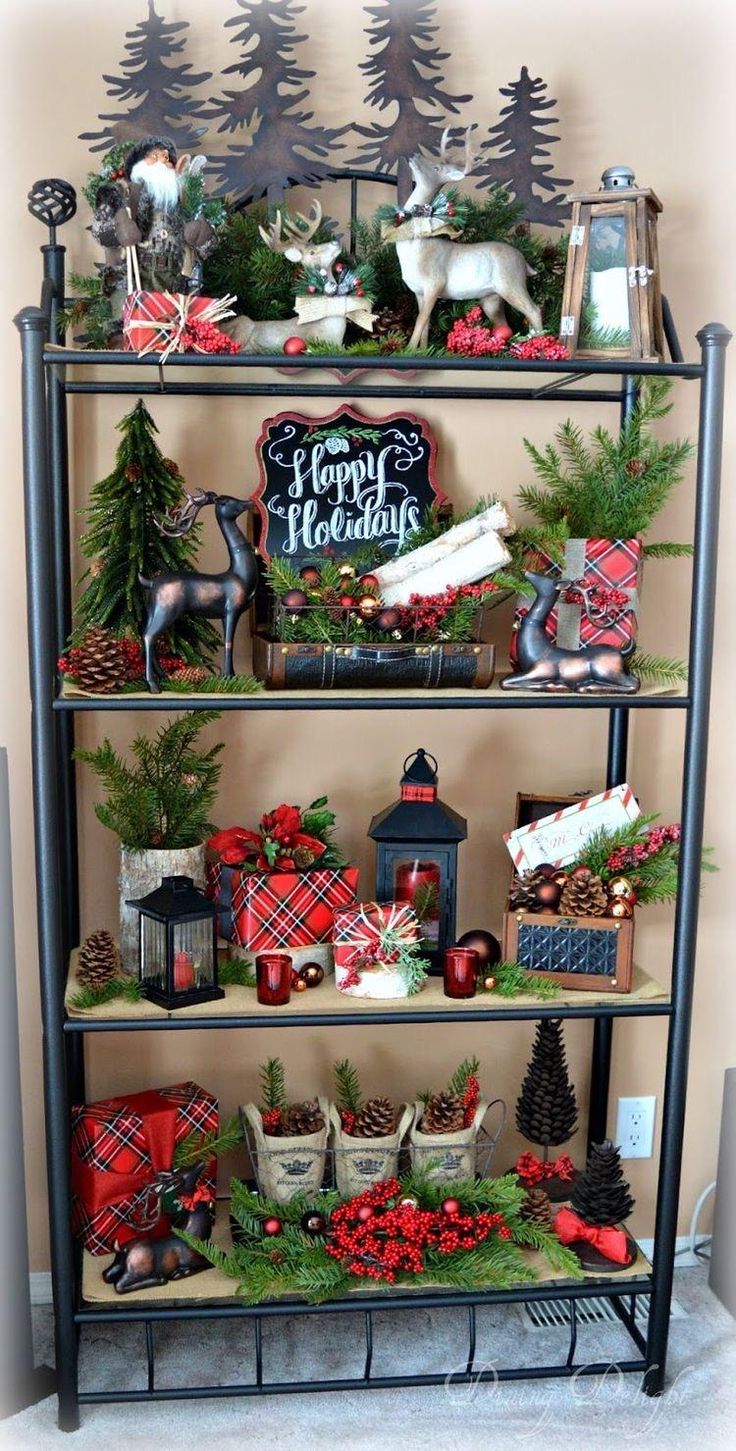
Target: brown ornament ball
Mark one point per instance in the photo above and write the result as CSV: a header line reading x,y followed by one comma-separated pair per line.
x,y
311,576
389,619
294,601
546,870
299,985
621,908
548,893
313,1222
581,874
485,944
368,607
620,887
312,973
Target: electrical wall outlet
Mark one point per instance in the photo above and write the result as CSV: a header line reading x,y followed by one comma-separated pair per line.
x,y
635,1127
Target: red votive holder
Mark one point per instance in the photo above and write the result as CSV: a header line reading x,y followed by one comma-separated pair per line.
x,y
273,978
461,966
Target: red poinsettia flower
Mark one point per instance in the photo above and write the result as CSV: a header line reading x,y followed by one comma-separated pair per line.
x,y
234,845
282,825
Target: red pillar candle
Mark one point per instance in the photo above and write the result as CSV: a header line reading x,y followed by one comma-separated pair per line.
x,y
183,971
461,966
411,878
273,978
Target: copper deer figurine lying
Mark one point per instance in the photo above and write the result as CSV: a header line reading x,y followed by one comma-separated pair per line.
x,y
595,669
297,246
215,596
144,1262
489,273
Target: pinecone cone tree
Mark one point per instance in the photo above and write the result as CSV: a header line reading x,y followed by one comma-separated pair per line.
x,y
443,1114
523,894
301,1119
537,1208
601,1195
376,1119
101,662
99,961
546,1110
584,895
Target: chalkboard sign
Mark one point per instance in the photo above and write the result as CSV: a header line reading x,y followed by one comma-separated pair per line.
x,y
331,485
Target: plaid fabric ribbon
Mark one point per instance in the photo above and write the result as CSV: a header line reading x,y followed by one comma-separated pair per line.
x,y
118,1147
418,793
263,911
155,322
533,1170
360,932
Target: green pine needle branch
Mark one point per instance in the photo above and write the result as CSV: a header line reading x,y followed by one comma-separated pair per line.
x,y
273,1083
123,988
208,1146
347,1086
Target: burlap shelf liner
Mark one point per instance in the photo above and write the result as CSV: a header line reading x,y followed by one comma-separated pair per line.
x,y
397,694
242,1001
213,1286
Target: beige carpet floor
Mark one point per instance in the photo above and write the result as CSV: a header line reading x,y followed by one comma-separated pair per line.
x,y
696,1413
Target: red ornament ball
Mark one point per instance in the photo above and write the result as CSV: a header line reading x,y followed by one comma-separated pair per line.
x,y
347,602
369,581
450,1206
365,1213
294,601
485,944
310,575
503,332
388,619
312,973
272,1225
295,345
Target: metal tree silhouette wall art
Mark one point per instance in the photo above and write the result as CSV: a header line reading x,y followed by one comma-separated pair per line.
x,y
280,147
519,150
404,77
160,89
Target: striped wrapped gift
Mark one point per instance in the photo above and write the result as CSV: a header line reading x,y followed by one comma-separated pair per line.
x,y
264,911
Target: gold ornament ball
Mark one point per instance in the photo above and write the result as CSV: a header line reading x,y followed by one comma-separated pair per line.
x,y
621,908
490,983
312,973
299,986
409,1202
369,607
620,887
346,571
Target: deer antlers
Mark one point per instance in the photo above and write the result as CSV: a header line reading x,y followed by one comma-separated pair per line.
x,y
179,520
299,230
470,157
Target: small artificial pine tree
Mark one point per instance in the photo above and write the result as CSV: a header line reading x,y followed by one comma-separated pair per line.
x,y
122,540
546,1110
160,89
601,1195
520,162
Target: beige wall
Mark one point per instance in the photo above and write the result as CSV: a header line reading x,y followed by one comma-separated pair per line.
x,y
646,84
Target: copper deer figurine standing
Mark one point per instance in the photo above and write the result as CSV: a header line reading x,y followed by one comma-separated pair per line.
x,y
145,1262
490,273
297,246
215,596
595,669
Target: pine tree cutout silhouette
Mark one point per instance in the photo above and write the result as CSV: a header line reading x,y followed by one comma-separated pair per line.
x,y
159,88
280,148
546,1111
519,150
406,81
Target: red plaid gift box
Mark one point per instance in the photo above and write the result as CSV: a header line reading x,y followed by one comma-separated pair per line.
x,y
359,930
604,609
118,1147
263,911
155,322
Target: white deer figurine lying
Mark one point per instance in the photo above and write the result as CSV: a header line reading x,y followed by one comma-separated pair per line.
x,y
490,273
296,246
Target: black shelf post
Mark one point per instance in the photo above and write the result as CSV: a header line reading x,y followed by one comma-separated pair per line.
x,y
713,340
32,324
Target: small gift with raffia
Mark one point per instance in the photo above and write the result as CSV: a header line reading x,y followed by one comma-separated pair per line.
x,y
377,951
173,322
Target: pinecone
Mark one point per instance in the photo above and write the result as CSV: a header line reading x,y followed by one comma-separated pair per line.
x,y
300,1119
101,662
523,894
396,321
443,1114
189,675
99,960
376,1119
303,857
331,602
546,1111
583,896
601,1195
537,1209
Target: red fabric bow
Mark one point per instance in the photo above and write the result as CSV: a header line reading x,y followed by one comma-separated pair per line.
x,y
534,1170
235,846
610,1242
202,1194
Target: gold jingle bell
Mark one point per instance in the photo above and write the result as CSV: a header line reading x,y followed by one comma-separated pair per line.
x,y
620,907
620,887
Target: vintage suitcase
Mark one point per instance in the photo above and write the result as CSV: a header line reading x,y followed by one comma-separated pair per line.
x,y
346,667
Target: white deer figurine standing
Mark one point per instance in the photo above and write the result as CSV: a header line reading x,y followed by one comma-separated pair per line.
x,y
490,273
296,246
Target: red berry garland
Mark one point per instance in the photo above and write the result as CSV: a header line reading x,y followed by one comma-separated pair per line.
x,y
624,857
472,337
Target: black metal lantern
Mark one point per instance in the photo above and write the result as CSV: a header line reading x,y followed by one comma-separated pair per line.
x,y
177,944
416,854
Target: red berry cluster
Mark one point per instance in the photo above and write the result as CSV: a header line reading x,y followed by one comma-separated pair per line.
x,y
132,659
347,1120
428,612
471,336
471,1098
624,857
540,347
351,979
601,601
271,1118
377,1235
200,336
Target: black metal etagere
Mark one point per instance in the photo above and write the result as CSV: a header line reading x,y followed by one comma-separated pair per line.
x,y
50,373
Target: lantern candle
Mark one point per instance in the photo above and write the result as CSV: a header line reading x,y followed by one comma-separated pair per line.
x,y
184,975
273,978
418,883
461,965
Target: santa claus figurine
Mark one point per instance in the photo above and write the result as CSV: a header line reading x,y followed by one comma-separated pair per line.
x,y
143,209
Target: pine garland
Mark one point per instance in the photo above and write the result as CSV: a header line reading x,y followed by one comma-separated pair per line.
x,y
513,981
127,989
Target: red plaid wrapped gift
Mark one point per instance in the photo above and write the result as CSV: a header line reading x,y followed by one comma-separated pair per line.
x,y
602,605
360,931
169,322
263,911
118,1147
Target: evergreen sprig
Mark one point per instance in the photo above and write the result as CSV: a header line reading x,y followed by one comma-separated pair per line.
x,y
273,1084
236,972
469,1068
658,670
208,1146
164,800
347,1086
513,981
127,989
214,685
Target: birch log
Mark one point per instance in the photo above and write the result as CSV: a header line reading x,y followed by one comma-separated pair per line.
x,y
495,517
463,554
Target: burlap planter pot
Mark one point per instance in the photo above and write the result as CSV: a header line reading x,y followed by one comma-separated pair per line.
x,y
140,872
452,1156
288,1166
360,1163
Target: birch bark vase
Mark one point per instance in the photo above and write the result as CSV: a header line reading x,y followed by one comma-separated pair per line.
x,y
140,872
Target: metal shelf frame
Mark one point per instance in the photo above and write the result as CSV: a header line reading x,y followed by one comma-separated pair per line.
x,y
50,374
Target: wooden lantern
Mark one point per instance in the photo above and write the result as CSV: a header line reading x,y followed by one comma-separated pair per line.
x,y
612,303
